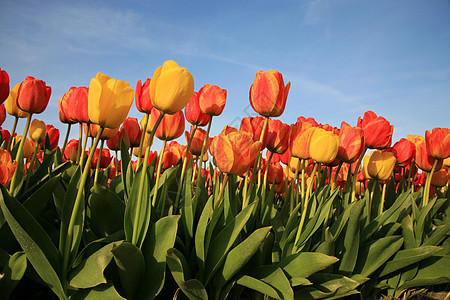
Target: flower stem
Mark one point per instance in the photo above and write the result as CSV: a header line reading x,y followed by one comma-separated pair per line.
x,y
16,120
97,167
294,193
356,173
205,141
31,167
84,144
383,195
158,172
426,191
66,139
80,140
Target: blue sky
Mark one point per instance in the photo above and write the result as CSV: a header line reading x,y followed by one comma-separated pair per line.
x,y
343,57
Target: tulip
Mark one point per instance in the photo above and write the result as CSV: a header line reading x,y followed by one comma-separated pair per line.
x,y
424,161
69,103
212,99
194,114
171,126
71,151
2,114
109,101
277,136
79,104
299,139
309,120
438,143
171,155
131,128
142,96
27,146
53,136
234,152
37,131
4,85
107,133
113,142
323,146
11,104
171,87
380,165
197,141
377,131
447,162
5,135
404,152
275,173
351,143
105,158
254,126
7,167
33,95
268,94
440,178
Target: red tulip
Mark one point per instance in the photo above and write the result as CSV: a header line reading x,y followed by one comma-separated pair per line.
x,y
71,151
105,158
2,114
351,143
67,107
197,141
268,94
131,128
423,160
113,143
194,114
53,136
254,126
438,143
6,135
275,173
309,120
212,99
4,85
277,136
171,126
440,178
142,96
33,95
172,154
377,131
404,151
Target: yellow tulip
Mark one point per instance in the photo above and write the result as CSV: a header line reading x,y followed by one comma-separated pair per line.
x,y
109,101
323,146
28,146
37,131
171,87
11,104
380,165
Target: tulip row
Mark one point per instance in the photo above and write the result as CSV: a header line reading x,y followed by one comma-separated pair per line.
x,y
247,199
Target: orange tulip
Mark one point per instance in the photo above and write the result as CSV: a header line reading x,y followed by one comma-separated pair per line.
x,y
172,154
171,126
28,146
377,131
254,126
71,151
351,143
268,94
194,114
299,139
275,173
438,142
277,136
142,96
7,167
423,160
4,85
53,136
212,99
105,158
11,104
73,106
234,152
33,95
440,178
197,141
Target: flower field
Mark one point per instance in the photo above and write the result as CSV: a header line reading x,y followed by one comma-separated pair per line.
x,y
267,210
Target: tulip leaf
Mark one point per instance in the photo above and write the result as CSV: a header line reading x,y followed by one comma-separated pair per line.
x,y
37,245
439,233
408,232
222,243
89,272
160,238
12,273
188,208
126,169
329,286
100,292
38,200
257,285
106,211
304,264
420,224
432,271
131,267
276,278
200,233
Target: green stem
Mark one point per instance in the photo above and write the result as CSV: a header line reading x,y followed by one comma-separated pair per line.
x,y
30,169
80,141
205,141
66,139
183,170
81,186
303,182
141,183
97,167
383,195
16,120
294,193
265,178
84,144
141,144
336,176
158,172
355,174
19,155
259,157
426,191
244,192
116,162
222,189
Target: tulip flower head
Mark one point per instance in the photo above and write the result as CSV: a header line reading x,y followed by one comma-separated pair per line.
x,y
194,114
277,136
130,128
438,142
7,167
323,146
2,114
404,152
377,131
4,85
379,165
11,104
37,131
212,99
423,160
171,126
71,151
299,139
33,95
351,143
197,141
142,96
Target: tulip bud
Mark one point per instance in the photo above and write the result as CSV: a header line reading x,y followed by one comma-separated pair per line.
x,y
380,165
351,143
171,126
142,96
33,95
7,167
438,143
277,136
197,141
37,131
4,85
323,146
212,99
131,128
377,131
194,114
11,104
71,151
105,158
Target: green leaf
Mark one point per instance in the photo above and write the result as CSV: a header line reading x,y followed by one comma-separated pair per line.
x,y
103,291
438,234
126,170
224,240
38,200
12,273
192,288
432,271
375,254
200,233
404,258
277,279
257,285
106,211
304,264
160,238
90,272
408,232
131,267
37,245
329,286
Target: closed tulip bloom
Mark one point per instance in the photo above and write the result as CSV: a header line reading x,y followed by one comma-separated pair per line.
x,y
109,101
234,152
142,96
275,173
4,85
380,165
309,120
11,104
404,152
131,128
53,136
105,158
7,167
71,151
277,136
440,178
415,139
28,146
299,139
33,95
377,131
194,114
113,142
106,134
171,126
171,87
5,135
172,155
212,99
323,146
73,106
254,126
2,114
351,143
197,141
424,161
268,94
438,142
37,131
